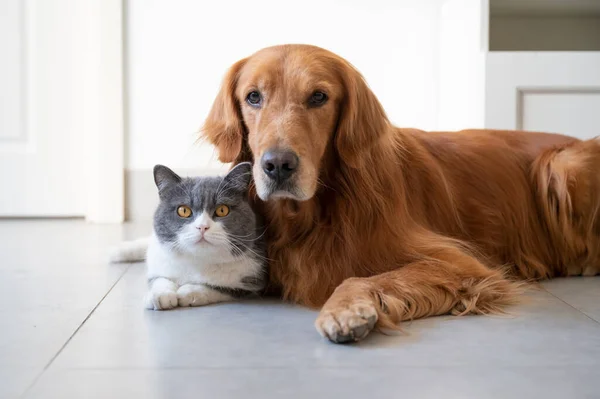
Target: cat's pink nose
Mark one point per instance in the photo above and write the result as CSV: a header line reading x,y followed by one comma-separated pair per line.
x,y
203,228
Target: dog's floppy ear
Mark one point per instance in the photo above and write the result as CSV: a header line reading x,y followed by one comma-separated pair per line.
x,y
224,127
362,118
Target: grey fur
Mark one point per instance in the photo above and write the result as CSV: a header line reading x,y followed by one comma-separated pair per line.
x,y
242,225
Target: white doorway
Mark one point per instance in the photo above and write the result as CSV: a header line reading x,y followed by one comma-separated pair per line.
x,y
61,109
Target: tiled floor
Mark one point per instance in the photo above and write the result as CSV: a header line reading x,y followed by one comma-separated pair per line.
x,y
72,326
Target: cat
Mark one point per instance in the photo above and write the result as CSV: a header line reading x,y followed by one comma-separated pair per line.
x,y
207,243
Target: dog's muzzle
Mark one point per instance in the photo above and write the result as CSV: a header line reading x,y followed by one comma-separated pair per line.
x,y
279,166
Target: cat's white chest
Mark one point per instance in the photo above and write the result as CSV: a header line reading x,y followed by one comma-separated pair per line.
x,y
217,266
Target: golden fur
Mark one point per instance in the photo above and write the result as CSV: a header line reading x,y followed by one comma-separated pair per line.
x,y
387,224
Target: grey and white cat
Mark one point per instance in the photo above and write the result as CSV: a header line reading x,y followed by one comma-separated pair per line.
x,y
207,242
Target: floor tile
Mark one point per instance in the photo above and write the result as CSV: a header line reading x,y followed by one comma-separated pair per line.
x,y
52,274
583,293
380,383
120,334
15,380
49,285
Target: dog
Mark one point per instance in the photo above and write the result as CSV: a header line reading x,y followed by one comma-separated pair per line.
x,y
377,224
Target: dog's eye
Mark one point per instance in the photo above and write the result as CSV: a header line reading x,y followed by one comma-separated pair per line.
x,y
317,99
254,98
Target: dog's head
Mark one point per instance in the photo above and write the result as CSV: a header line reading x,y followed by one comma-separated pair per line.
x,y
292,106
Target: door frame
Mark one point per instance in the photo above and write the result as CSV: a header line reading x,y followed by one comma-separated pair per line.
x,y
104,116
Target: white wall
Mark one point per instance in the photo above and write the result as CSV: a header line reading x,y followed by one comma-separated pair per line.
x,y
463,45
177,52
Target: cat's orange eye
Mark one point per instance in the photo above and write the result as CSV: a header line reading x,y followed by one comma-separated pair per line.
x,y
184,211
222,210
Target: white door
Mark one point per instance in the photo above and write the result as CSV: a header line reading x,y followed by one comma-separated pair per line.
x,y
556,92
40,115
574,111
61,134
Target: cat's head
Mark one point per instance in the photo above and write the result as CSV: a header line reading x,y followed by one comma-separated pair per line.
x,y
206,216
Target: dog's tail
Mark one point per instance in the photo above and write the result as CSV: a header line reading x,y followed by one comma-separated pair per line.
x,y
567,181
130,251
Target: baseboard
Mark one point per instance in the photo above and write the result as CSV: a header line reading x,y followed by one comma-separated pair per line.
x,y
141,195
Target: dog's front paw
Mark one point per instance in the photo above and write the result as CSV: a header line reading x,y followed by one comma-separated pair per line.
x,y
161,300
347,323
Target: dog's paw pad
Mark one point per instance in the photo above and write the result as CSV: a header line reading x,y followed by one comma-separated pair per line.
x,y
347,324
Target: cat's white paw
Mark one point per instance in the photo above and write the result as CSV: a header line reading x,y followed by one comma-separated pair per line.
x,y
161,300
194,295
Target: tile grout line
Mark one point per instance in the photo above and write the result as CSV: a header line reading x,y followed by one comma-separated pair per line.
x,y
571,306
228,368
36,379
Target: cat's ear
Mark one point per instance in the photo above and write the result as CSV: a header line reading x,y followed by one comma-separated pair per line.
x,y
165,177
239,177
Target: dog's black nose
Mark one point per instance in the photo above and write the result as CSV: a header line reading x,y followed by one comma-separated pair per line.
x,y
279,165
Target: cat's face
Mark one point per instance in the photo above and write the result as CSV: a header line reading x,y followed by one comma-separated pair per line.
x,y
206,216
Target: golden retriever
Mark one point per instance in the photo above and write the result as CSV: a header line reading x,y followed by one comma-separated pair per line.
x,y
379,224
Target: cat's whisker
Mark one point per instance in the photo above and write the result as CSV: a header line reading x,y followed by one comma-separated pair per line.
x,y
261,235
250,250
188,235
240,251
219,188
235,235
239,236
245,236
227,240
176,246
225,192
225,235
236,179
